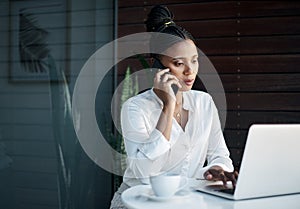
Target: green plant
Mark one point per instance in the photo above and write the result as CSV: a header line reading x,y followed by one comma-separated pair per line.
x,y
130,88
32,44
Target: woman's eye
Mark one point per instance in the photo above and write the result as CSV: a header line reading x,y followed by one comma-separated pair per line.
x,y
194,61
178,64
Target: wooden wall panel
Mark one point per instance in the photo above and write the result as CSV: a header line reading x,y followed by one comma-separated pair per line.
x,y
256,64
241,120
204,10
261,82
138,3
268,8
230,27
250,45
253,45
244,64
263,101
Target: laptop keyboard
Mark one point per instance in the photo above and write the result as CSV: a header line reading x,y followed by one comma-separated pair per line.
x,y
227,191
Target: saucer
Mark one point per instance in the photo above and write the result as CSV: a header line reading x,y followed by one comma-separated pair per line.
x,y
148,193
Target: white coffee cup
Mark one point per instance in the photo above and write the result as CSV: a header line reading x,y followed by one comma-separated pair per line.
x,y
166,185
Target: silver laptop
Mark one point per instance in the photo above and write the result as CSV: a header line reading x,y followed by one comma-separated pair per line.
x,y
270,164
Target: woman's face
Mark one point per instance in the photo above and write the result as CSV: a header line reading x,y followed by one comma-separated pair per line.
x,y
182,60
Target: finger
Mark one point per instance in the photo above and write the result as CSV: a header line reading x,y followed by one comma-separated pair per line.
x,y
215,173
208,176
223,178
166,77
233,180
176,82
232,176
161,72
235,174
158,75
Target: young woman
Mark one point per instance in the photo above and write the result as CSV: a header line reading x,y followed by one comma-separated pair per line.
x,y
172,128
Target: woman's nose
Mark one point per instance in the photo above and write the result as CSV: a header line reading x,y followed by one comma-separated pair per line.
x,y
188,70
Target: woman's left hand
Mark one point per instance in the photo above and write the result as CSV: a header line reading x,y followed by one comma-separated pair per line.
x,y
217,173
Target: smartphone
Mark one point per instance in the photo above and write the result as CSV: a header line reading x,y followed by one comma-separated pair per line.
x,y
157,64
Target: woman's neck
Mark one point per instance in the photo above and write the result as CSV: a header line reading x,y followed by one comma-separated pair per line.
x,y
179,98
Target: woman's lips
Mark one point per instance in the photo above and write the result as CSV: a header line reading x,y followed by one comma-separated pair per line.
x,y
189,82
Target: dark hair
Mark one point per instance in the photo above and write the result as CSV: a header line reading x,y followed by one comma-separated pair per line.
x,y
161,19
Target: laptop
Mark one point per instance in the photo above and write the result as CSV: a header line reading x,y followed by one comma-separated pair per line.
x,y
270,164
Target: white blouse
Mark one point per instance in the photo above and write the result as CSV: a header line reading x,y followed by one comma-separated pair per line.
x,y
150,153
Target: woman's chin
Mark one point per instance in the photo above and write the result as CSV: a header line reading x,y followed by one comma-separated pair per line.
x,y
186,88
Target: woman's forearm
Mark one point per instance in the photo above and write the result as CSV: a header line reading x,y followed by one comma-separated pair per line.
x,y
164,124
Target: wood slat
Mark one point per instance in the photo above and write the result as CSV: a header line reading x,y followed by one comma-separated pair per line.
x,y
263,101
235,138
257,63
269,26
199,29
34,206
139,3
259,82
238,82
230,46
32,100
219,46
33,148
243,119
132,15
236,155
36,196
268,8
124,30
230,27
35,180
251,83
34,164
246,83
32,133
205,10
250,45
270,45
246,64
243,27
212,10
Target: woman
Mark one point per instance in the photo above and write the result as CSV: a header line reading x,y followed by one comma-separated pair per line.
x,y
172,128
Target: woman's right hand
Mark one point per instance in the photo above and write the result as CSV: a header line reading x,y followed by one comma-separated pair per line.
x,y
163,81
216,173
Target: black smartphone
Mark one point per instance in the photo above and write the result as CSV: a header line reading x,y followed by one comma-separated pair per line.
x,y
157,64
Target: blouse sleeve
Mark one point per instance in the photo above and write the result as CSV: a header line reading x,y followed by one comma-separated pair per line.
x,y
217,151
147,150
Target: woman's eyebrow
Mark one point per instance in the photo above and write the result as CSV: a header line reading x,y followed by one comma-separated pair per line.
x,y
177,58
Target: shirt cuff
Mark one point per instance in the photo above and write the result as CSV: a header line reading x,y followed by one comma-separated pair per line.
x,y
201,171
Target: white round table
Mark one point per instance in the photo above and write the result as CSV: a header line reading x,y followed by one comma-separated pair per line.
x,y
141,197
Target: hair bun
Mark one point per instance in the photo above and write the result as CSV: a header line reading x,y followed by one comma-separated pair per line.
x,y
159,18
